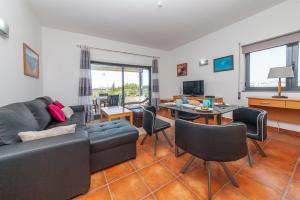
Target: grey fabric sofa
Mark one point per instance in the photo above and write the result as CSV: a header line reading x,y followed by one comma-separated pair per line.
x,y
57,167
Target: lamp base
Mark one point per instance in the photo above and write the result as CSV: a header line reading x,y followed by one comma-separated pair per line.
x,y
280,97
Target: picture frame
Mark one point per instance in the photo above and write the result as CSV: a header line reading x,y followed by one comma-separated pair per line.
x,y
225,63
182,69
30,61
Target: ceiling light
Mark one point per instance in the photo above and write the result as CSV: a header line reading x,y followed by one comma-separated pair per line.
x,y
160,4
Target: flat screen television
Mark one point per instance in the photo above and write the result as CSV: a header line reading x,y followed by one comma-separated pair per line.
x,y
193,88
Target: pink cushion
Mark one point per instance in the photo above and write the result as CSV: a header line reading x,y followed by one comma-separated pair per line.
x,y
56,113
58,104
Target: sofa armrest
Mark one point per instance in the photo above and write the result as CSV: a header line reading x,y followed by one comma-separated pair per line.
x,y
50,168
78,108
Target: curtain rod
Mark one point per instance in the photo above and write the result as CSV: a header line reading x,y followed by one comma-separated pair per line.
x,y
121,52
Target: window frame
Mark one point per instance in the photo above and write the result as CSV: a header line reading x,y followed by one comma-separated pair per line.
x,y
292,58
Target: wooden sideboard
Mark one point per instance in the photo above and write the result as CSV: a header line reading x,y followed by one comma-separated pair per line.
x,y
279,109
198,98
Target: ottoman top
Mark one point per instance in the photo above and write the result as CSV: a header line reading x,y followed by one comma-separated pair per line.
x,y
111,134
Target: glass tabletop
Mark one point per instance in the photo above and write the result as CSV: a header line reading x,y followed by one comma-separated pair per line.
x,y
216,110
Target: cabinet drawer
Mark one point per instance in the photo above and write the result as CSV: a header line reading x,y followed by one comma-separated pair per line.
x,y
267,103
293,104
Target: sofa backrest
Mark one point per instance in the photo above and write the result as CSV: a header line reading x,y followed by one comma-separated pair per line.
x,y
39,109
46,99
15,118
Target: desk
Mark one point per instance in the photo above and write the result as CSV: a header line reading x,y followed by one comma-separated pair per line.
x,y
279,109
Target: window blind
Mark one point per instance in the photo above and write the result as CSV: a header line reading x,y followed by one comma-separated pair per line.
x,y
272,42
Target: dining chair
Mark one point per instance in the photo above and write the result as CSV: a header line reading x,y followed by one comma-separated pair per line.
x,y
219,143
152,125
256,122
113,100
185,115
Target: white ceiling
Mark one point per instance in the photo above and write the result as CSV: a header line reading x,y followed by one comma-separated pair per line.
x,y
141,22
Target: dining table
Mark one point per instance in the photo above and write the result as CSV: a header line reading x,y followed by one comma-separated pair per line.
x,y
215,112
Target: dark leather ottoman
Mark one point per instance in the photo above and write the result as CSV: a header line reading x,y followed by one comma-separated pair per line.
x,y
111,143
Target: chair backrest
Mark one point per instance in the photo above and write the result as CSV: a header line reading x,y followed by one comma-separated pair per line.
x,y
220,143
103,94
149,115
254,118
113,100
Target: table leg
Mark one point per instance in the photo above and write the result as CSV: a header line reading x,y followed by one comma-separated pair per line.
x,y
176,114
131,118
219,119
109,118
206,120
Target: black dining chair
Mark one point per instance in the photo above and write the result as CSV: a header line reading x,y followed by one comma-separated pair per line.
x,y
219,143
113,100
152,125
104,99
256,122
185,115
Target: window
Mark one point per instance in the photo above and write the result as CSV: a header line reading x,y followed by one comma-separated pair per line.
x,y
258,64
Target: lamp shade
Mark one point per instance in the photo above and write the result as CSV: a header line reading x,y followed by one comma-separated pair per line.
x,y
281,72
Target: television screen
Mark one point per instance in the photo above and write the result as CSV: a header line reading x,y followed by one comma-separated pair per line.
x,y
223,64
194,88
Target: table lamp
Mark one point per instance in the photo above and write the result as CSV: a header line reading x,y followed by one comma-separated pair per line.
x,y
281,72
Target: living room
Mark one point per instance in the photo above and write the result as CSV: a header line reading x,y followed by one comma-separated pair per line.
x,y
173,54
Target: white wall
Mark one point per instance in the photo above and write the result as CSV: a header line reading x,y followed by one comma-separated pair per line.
x,y
14,85
61,61
283,18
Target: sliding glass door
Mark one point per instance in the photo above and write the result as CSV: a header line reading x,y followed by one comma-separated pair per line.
x,y
131,83
136,84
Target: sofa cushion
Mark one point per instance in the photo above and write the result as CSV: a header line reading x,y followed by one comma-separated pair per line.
x,y
58,104
77,118
68,112
111,134
56,113
36,135
12,122
24,112
39,109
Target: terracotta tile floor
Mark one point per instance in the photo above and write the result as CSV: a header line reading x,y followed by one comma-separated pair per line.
x,y
158,178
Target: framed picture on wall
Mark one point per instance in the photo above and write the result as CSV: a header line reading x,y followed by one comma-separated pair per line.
x,y
31,62
182,69
223,64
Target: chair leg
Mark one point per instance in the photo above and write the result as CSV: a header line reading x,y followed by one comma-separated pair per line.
x,y
155,143
168,140
250,158
187,164
229,174
176,151
145,137
209,173
260,150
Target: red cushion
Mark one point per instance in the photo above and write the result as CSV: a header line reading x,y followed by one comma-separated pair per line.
x,y
58,104
56,113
